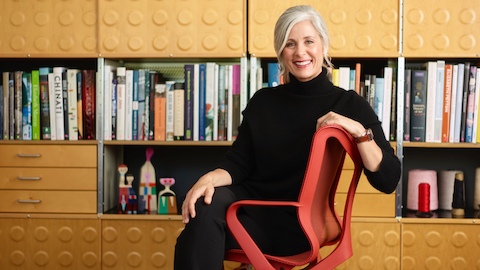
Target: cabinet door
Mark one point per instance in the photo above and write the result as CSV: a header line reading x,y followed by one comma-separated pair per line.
x,y
443,28
50,243
48,28
357,29
172,28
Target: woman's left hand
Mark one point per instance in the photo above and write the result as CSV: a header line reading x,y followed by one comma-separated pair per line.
x,y
353,127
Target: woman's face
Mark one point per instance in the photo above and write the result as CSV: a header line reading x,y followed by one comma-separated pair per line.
x,y
303,52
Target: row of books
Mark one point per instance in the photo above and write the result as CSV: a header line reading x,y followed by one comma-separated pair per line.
x,y
441,102
145,104
49,103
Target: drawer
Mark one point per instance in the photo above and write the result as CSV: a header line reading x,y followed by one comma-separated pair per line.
x,y
18,155
48,178
35,201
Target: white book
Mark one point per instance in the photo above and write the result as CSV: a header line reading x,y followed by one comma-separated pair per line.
x,y
107,103
253,76
170,113
58,102
51,101
458,102
215,103
128,104
178,111
387,99
229,76
72,104
437,129
196,104
243,85
431,92
453,104
209,100
344,78
121,76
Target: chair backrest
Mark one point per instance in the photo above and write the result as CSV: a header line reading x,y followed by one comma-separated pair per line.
x,y
317,215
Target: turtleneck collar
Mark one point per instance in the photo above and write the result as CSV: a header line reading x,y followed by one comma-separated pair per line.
x,y
318,85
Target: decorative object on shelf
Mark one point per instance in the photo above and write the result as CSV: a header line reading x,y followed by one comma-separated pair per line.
x,y
446,180
424,201
417,176
127,198
476,188
167,199
147,187
458,204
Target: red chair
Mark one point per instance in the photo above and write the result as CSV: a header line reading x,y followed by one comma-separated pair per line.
x,y
316,213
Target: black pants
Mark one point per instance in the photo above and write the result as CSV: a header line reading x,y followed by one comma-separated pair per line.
x,y
202,244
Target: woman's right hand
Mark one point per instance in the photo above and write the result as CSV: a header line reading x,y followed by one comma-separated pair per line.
x,y
205,186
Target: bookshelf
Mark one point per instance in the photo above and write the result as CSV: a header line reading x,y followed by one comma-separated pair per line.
x,y
93,33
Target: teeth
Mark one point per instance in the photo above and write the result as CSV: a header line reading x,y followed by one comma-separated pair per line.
x,y
303,63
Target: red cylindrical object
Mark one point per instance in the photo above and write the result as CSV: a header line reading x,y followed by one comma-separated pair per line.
x,y
424,197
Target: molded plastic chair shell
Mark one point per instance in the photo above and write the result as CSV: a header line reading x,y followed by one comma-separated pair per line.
x,y
315,207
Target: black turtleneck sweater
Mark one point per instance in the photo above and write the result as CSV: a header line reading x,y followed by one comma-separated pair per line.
x,y
270,154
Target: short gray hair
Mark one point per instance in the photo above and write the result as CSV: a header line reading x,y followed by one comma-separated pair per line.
x,y
287,20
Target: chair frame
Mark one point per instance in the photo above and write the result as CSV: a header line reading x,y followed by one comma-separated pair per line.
x,y
330,145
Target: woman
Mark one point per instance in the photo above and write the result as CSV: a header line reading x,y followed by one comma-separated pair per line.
x,y
269,156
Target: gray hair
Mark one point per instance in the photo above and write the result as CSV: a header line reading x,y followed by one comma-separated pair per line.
x,y
287,20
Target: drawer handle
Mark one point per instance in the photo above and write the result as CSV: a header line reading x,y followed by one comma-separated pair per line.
x,y
31,201
28,155
29,178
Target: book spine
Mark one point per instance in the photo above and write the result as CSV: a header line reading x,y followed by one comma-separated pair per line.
x,y
58,90
459,102
72,104
18,105
431,97
229,102
437,130
107,104
6,92
407,104
418,101
151,112
215,103
273,74
453,103
209,99
36,105
52,108
463,122
170,110
387,100
128,104
135,105
178,111
80,129
196,98
470,105
88,93
26,106
65,104
188,114
147,105
221,104
236,100
44,104
11,105
141,104
121,73
476,111
447,95
202,103
161,112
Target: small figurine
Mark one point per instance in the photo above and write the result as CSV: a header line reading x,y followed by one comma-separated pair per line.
x,y
132,196
167,200
147,186
122,189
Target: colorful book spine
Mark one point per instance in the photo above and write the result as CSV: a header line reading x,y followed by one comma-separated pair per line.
x,y
128,104
154,78
80,129
36,134
236,100
44,103
273,74
6,109
470,105
447,96
161,113
88,92
26,106
66,125
121,73
170,110
463,123
188,114
202,102
407,104
72,104
222,106
178,111
18,105
209,99
141,104
146,125
458,102
135,105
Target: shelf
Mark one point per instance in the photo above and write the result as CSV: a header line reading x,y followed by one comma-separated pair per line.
x,y
440,145
170,143
48,142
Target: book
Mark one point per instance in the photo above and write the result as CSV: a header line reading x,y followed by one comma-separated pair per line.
x,y
470,105
387,100
273,74
463,117
418,107
66,123
447,96
407,104
439,96
114,105
80,129
457,112
215,101
154,79
189,88
146,121
196,100
128,104
222,106
344,78
229,91
141,103
7,89
26,105
107,103
431,97
170,110
18,105
44,103
202,102
161,112
52,107
453,103
210,97
178,111
88,96
58,94
121,100
72,104
135,117
476,110
36,135
379,98
236,100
